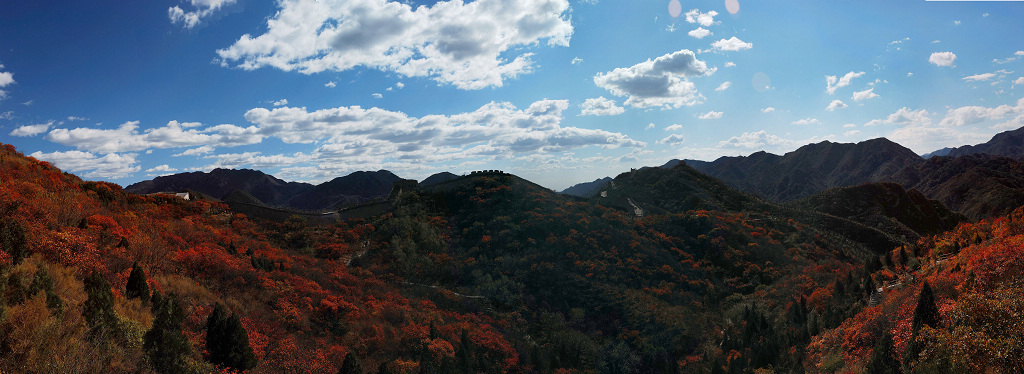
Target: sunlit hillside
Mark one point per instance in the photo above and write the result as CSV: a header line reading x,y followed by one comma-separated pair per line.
x,y
68,252
486,273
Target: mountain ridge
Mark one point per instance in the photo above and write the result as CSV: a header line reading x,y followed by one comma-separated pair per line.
x,y
586,189
219,182
1007,144
354,188
795,175
811,168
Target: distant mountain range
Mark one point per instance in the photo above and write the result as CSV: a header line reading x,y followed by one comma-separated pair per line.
x,y
220,182
979,181
354,188
1007,144
979,186
246,185
878,215
810,169
941,152
587,189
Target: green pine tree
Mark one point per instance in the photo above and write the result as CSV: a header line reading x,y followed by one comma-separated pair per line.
x,y
12,240
137,286
465,353
926,313
883,358
16,292
98,309
227,342
351,365
165,345
43,282
215,334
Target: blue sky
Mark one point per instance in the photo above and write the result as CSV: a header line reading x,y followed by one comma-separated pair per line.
x,y
556,91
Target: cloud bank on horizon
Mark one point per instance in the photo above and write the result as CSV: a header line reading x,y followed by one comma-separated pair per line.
x,y
311,90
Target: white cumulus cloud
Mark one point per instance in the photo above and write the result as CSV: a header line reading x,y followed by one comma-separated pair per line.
x,y
162,169
731,44
31,130
711,115
918,132
90,165
970,115
127,137
832,83
806,121
672,139
980,77
724,86
255,160
904,117
355,138
703,19
942,58
469,45
755,140
674,127
864,95
659,83
6,79
767,110
699,33
600,107
835,104
202,9
199,151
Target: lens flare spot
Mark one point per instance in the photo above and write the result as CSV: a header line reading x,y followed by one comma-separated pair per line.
x,y
675,8
761,82
733,6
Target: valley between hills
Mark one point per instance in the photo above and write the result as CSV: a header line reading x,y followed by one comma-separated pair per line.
x,y
832,258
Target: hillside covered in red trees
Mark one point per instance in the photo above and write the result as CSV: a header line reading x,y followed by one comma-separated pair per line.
x,y
301,310
489,273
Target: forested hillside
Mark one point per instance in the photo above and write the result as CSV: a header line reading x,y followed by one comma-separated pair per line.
x,y
979,186
952,304
594,288
73,301
492,273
